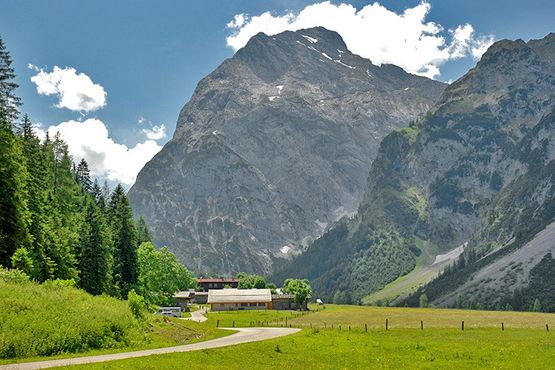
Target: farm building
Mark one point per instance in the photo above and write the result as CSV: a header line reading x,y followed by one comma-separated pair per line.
x,y
239,299
182,299
217,283
285,302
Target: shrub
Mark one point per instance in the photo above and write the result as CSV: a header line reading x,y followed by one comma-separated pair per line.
x,y
137,304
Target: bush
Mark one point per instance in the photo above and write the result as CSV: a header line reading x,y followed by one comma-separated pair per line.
x,y
137,304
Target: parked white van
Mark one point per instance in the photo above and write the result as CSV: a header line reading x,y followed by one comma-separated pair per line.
x,y
169,311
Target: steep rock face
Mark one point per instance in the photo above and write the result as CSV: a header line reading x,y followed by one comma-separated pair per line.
x,y
273,146
438,179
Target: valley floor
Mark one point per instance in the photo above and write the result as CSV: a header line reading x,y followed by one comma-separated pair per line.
x,y
335,337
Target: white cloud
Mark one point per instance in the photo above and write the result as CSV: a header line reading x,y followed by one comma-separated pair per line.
x,y
237,22
75,91
90,139
156,132
374,32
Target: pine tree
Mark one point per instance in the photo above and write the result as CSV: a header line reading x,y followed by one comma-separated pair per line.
x,y
95,260
9,103
84,175
143,234
14,214
38,202
125,242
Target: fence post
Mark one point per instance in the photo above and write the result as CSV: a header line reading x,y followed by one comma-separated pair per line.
x,y
421,325
233,323
502,327
462,325
386,324
218,323
366,328
546,327
349,327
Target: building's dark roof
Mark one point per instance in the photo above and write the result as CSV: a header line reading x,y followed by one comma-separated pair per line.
x,y
185,295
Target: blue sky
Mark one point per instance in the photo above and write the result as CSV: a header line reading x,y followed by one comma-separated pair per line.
x,y
148,56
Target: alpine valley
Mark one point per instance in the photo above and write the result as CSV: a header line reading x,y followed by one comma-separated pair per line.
x,y
273,147
267,172
467,192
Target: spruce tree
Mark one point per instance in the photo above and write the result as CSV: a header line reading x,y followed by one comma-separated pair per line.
x,y
9,102
84,175
95,260
38,200
125,242
143,234
14,213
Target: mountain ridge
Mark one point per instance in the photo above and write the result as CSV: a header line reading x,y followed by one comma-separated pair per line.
x,y
436,180
272,147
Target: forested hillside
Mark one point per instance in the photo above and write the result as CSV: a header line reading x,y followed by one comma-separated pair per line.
x,y
56,222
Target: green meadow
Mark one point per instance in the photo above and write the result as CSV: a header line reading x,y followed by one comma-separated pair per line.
x,y
338,340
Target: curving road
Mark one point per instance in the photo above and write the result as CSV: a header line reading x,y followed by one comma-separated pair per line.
x,y
243,335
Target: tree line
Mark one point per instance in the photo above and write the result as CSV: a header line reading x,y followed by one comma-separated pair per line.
x,y
56,222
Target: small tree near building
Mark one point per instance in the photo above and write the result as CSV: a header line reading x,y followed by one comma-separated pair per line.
x,y
300,288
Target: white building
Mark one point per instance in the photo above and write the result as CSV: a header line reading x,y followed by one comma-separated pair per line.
x,y
239,299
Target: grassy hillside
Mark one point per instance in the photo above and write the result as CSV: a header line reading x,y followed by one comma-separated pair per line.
x,y
52,319
442,344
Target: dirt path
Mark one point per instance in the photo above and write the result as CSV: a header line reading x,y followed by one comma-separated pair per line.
x,y
243,335
197,316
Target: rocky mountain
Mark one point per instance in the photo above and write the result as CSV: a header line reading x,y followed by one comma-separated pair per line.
x,y
274,146
474,176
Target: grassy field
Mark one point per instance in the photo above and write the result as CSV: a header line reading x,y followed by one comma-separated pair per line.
x,y
400,349
524,343
53,320
399,317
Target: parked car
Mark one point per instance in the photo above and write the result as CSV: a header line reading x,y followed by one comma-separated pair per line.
x,y
169,311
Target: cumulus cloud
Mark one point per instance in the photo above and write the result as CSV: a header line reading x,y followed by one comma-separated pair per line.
x,y
156,132
75,91
374,32
90,139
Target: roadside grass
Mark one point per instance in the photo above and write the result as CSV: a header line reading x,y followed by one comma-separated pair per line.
x,y
356,349
165,332
55,320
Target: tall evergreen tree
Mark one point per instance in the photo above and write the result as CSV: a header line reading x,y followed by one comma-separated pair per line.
x,y
95,260
143,234
14,213
125,242
9,102
84,175
38,202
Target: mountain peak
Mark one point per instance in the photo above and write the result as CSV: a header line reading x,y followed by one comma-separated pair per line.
x,y
271,56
